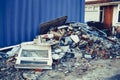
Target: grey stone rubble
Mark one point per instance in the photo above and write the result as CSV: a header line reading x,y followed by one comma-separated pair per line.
x,y
81,53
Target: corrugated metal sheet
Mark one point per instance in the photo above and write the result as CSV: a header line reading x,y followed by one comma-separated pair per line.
x,y
20,19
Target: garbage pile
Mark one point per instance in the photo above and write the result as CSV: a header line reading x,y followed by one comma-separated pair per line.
x,y
88,42
73,47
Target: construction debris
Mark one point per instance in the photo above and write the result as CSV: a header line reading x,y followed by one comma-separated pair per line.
x,y
32,56
74,51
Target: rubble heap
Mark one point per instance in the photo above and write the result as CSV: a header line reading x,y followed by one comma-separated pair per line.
x,y
73,47
86,41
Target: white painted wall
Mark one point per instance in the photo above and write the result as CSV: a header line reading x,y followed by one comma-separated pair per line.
x,y
92,13
115,16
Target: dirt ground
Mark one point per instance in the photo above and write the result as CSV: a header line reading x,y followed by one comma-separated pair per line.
x,y
98,70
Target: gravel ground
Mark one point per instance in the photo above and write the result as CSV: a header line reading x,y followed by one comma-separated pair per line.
x,y
99,70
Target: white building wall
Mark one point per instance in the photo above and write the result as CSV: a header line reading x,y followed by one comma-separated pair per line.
x,y
115,16
92,13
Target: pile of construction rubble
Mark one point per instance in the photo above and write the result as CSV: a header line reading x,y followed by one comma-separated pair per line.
x,y
84,40
74,49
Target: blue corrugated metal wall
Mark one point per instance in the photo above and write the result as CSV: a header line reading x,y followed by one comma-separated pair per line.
x,y
20,19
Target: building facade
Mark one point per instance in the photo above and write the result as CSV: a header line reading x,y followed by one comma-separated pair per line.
x,y
105,11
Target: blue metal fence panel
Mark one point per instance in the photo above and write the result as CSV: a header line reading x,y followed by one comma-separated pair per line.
x,y
55,8
20,19
2,4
